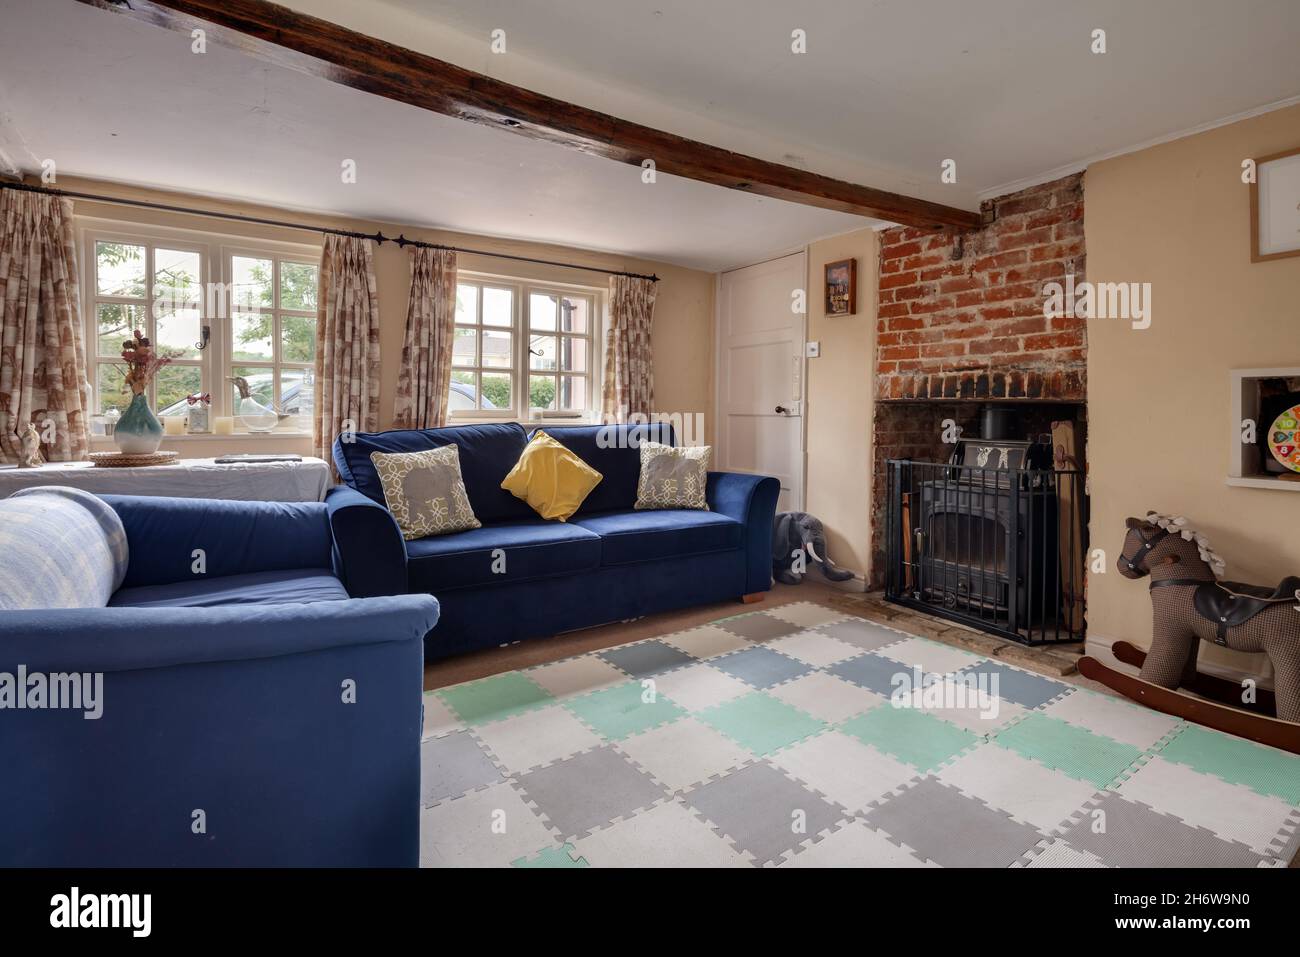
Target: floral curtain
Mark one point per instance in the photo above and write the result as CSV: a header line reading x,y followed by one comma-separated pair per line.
x,y
629,387
42,355
347,343
425,376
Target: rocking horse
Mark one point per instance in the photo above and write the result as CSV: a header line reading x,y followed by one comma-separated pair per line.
x,y
1192,605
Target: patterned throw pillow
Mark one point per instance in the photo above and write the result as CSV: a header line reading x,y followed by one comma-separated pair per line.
x,y
425,491
673,478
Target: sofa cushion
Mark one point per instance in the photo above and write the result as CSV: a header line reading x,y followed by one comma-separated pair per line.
x,y
627,537
673,478
293,586
615,452
551,478
425,491
531,549
487,454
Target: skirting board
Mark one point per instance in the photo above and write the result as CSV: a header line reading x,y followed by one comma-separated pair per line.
x,y
1099,648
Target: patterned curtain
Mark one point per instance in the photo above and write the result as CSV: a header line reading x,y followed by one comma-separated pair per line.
x,y
42,356
347,343
629,387
425,376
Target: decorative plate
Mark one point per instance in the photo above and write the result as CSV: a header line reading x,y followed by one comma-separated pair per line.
x,y
1284,438
122,460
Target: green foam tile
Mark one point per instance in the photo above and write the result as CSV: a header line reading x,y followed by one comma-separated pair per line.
x,y
491,699
618,712
1238,761
912,736
1070,749
761,723
552,857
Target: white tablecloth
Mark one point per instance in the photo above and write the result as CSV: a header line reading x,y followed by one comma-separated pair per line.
x,y
304,481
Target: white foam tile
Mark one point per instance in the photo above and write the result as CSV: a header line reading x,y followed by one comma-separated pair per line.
x,y
438,718
931,656
707,641
539,737
826,697
806,614
460,833
814,648
668,835
855,845
1058,853
700,686
847,771
576,676
683,752
1025,789
1116,719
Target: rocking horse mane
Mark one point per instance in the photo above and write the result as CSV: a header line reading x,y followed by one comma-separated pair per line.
x,y
1177,525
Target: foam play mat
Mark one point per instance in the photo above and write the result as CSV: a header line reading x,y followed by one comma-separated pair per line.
x,y
803,737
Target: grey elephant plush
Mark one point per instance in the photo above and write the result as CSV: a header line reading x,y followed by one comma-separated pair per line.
x,y
795,531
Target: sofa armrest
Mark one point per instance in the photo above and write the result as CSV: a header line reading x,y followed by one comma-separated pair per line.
x,y
369,551
751,500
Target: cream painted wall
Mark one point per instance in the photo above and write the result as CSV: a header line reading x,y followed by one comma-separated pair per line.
x,y
683,329
840,403
1178,216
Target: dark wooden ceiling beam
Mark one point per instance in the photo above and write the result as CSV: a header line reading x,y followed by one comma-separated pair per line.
x,y
324,49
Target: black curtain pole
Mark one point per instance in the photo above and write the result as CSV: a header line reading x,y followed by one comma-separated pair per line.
x,y
401,240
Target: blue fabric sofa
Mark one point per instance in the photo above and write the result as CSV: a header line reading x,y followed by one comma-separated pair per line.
x,y
607,563
223,692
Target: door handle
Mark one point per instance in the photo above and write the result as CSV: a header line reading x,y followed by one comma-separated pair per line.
x,y
782,410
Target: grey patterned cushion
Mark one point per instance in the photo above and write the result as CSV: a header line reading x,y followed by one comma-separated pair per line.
x,y
673,478
425,491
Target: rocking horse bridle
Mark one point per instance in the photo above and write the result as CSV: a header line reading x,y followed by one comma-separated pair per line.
x,y
1135,563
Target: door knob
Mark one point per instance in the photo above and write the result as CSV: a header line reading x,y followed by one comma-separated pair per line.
x,y
782,410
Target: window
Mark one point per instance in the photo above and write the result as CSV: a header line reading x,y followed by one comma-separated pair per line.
x,y
521,350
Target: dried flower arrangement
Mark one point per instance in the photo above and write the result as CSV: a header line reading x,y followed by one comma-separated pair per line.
x,y
142,362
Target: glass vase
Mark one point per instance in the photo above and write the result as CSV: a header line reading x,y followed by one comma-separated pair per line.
x,y
138,431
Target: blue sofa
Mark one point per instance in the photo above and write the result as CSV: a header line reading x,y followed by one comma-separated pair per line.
x,y
223,692
606,563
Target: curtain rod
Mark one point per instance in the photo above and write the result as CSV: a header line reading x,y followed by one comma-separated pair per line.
x,y
377,237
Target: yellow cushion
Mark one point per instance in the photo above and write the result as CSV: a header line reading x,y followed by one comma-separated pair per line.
x,y
551,479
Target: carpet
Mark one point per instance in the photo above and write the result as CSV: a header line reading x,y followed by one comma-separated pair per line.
x,y
803,737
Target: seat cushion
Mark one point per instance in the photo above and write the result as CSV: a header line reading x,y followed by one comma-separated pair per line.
x,y
627,537
293,586
532,549
615,452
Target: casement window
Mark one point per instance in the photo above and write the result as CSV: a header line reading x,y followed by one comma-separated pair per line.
x,y
522,350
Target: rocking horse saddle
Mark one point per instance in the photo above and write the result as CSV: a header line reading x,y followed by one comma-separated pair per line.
x,y
1229,604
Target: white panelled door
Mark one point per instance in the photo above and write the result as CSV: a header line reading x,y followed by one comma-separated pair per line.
x,y
760,340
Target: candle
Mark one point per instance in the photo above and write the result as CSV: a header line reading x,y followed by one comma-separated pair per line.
x,y
223,425
174,424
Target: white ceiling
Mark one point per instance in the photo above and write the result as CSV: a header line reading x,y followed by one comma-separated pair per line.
x,y
887,91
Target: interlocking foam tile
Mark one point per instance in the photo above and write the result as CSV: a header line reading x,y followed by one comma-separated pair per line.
x,y
1060,854
573,676
950,828
760,722
930,656
588,791
755,808
1136,836
621,710
806,614
667,835
646,658
874,672
488,828
707,641
826,697
866,635
1117,719
844,769
1076,751
1232,811
919,739
452,765
536,738
760,667
1022,687
491,699
1022,788
700,686
554,856
683,753
968,710
813,648
1238,761
854,845
758,626
438,719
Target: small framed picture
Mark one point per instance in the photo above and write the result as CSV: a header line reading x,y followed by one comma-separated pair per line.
x,y
842,288
1275,207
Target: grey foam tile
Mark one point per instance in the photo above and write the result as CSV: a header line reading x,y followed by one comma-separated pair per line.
x,y
452,765
1023,688
646,658
760,667
759,626
861,634
588,791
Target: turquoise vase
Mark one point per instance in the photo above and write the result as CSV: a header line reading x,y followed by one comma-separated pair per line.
x,y
138,431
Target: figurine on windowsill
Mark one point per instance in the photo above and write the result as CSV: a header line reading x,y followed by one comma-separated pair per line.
x,y
200,407
30,456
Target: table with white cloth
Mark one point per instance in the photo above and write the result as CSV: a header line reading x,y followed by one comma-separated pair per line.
x,y
302,481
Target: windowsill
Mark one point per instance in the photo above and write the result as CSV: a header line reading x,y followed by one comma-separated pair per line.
x,y
213,437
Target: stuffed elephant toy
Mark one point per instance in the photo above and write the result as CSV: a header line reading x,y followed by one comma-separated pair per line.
x,y
795,532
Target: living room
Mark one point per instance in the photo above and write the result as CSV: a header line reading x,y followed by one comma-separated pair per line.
x,y
594,435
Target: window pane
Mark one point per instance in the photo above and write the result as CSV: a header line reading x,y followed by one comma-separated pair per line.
x,y
496,349
119,269
177,275
297,338
573,355
541,311
463,393
498,307
541,392
466,304
113,390
297,394
173,384
252,339
116,323
541,352
496,391
261,383
573,315
298,285
573,392
462,348
251,283
177,334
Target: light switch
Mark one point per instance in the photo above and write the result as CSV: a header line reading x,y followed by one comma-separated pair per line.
x,y
812,349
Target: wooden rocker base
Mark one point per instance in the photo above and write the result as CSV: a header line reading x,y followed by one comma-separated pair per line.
x,y
1284,735
1207,686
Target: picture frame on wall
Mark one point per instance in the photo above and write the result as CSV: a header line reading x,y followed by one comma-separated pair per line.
x,y
841,288
1275,207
